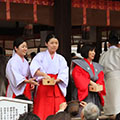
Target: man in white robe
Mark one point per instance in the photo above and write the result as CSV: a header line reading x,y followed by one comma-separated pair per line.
x,y
111,62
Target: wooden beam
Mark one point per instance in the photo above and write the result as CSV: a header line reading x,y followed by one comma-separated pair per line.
x,y
96,17
2,11
98,44
45,15
76,16
7,37
11,31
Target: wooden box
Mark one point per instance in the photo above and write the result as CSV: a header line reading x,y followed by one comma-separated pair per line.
x,y
96,89
47,81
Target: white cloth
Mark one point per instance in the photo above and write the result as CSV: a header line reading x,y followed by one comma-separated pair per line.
x,y
16,72
57,65
13,53
113,46
111,62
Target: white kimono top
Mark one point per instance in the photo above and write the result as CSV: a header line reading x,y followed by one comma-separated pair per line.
x,y
16,72
111,63
46,64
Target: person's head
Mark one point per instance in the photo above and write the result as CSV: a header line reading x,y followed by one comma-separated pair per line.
x,y
2,51
50,117
52,43
32,54
73,55
62,116
113,38
73,107
20,46
28,116
88,51
90,112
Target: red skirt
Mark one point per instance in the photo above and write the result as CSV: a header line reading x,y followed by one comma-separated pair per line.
x,y
47,100
27,92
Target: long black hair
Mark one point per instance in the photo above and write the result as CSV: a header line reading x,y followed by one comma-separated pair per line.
x,y
85,50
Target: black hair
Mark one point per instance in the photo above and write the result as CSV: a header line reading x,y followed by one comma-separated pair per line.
x,y
18,41
113,38
85,50
28,116
73,107
2,51
49,36
32,54
73,54
62,116
50,117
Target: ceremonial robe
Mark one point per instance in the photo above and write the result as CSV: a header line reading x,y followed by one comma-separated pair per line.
x,y
17,70
111,62
82,74
48,98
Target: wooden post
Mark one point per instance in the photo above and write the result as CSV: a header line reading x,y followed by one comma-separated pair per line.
x,y
63,27
62,14
98,43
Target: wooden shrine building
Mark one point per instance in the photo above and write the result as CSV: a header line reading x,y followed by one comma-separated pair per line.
x,y
67,18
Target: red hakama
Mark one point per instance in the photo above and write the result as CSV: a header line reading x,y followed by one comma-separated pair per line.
x,y
27,92
47,100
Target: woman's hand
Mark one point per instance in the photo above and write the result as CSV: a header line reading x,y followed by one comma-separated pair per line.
x,y
57,81
31,81
46,76
93,87
32,87
39,73
93,84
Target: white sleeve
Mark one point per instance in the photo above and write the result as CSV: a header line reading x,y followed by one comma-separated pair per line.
x,y
16,77
63,72
36,64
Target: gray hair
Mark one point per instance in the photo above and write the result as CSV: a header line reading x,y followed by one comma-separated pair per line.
x,y
91,112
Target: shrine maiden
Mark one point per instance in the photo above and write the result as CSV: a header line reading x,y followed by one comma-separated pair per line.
x,y
18,72
49,64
